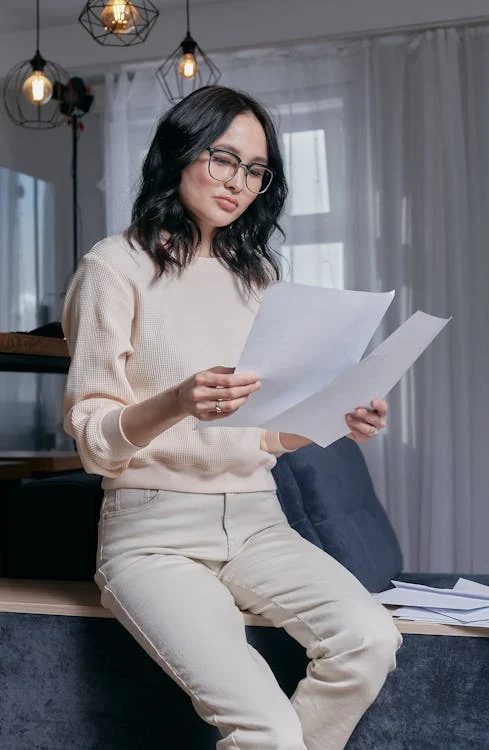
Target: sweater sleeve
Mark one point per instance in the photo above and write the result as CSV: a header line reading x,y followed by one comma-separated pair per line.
x,y
97,320
270,442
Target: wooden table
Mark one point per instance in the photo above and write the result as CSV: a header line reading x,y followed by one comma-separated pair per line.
x,y
13,470
41,461
23,352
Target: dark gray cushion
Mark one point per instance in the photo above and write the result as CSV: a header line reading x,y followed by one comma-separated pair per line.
x,y
52,527
328,496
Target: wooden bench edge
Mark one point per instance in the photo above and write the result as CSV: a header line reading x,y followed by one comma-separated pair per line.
x,y
82,599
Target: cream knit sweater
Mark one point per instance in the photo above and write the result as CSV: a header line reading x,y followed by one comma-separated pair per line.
x,y
130,338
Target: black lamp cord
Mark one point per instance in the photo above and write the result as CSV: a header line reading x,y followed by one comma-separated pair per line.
x,y
37,25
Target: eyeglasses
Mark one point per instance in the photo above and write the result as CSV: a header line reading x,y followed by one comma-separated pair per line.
x,y
224,165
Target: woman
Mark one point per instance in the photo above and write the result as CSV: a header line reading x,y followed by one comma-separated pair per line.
x,y
191,531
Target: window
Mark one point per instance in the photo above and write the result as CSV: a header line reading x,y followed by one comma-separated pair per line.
x,y
313,147
306,169
319,264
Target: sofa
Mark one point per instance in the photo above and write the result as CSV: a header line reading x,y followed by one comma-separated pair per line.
x,y
81,683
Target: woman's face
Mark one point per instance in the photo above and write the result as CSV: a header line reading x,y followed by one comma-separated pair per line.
x,y
213,203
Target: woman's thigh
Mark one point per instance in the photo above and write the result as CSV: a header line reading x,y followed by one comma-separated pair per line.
x,y
187,621
301,588
178,611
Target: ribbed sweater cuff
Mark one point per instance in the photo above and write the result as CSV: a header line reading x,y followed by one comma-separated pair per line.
x,y
111,427
273,444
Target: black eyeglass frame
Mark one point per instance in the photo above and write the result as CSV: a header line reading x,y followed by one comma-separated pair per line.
x,y
240,163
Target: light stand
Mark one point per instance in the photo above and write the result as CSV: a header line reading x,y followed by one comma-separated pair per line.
x,y
75,101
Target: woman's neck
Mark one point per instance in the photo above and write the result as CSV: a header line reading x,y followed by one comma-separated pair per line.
x,y
204,251
204,247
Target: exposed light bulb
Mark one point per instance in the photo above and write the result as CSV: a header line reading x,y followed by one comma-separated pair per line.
x,y
188,67
37,88
119,17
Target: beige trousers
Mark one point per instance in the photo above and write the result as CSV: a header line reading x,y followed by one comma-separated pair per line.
x,y
176,569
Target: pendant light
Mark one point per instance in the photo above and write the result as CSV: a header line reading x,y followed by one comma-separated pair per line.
x,y
187,68
28,90
118,22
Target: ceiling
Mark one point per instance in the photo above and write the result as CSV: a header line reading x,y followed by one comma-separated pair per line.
x,y
20,15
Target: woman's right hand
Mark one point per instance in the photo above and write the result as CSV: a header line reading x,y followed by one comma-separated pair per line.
x,y
215,393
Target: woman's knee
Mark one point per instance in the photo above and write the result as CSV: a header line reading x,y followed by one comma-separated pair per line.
x,y
381,637
364,645
374,636
380,643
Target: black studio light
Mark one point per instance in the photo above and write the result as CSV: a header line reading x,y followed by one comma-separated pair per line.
x,y
74,98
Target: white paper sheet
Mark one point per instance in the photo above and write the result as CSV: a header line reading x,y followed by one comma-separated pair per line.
x,y
429,599
306,343
412,613
472,615
302,338
463,588
475,617
467,604
471,587
321,417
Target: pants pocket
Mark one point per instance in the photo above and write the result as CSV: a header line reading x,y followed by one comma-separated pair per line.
x,y
123,501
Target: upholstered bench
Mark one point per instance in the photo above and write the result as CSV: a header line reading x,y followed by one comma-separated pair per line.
x,y
80,682
73,679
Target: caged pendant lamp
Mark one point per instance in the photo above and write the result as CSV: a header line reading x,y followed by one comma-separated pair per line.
x,y
187,68
28,90
119,22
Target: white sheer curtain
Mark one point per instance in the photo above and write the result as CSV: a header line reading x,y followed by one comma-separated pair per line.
x,y
421,174
134,102
386,145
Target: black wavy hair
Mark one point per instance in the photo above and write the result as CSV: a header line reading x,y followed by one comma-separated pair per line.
x,y
164,228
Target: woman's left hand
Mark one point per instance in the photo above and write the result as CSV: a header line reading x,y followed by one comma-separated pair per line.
x,y
366,423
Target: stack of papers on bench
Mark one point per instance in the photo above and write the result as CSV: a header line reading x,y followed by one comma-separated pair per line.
x,y
467,604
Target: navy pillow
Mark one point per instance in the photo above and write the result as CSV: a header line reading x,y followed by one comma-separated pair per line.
x,y
328,497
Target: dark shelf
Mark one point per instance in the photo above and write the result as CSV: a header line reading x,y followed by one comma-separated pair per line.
x,y
33,363
21,352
